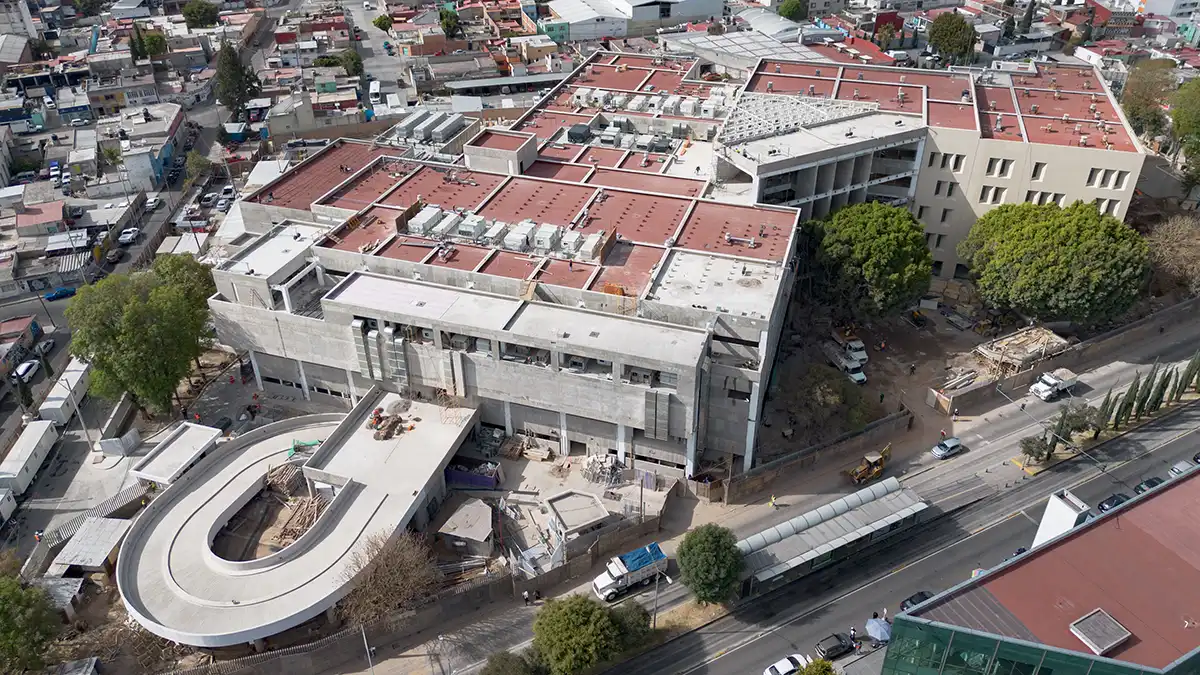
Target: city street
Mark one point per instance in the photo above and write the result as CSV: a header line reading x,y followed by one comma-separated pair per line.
x,y
376,61
794,620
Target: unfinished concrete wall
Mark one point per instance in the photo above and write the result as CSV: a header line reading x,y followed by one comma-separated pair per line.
x,y
282,334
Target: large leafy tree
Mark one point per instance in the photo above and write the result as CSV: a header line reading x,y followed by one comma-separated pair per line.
x,y
1028,17
195,281
796,10
197,164
575,633
383,22
1175,253
886,33
27,625
448,19
236,84
1185,110
200,14
876,258
129,328
1055,263
349,60
1145,91
952,36
154,44
506,663
710,562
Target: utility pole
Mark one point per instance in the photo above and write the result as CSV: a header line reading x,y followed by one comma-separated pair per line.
x,y
367,647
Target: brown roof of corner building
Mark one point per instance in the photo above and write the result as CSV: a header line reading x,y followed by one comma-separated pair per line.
x,y
1139,563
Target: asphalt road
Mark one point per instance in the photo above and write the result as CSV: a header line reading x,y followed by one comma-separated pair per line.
x,y
376,61
980,536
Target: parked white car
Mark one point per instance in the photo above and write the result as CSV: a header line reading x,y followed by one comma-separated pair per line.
x,y
26,371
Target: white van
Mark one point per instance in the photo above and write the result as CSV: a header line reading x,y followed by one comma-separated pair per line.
x,y
851,368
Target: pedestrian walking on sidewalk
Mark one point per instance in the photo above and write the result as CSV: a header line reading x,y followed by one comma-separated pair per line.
x,y
525,597
955,418
943,434
853,634
912,370
1022,406
771,501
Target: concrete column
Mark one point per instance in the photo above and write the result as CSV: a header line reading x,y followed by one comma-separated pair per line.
x,y
320,275
617,367
257,372
260,646
353,389
287,298
752,423
303,379
508,429
622,447
564,445
556,359
691,455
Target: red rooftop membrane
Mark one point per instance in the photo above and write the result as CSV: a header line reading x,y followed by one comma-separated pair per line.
x,y
651,162
573,173
500,141
366,189
627,268
303,185
612,77
636,217
459,256
1139,563
446,188
747,231
667,185
566,273
566,152
537,200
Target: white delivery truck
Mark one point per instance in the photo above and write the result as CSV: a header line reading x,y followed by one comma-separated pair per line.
x,y
1050,385
26,456
628,570
69,390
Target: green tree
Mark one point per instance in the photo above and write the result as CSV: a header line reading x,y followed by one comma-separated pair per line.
x,y
1010,28
137,49
1103,415
24,395
1160,391
1189,374
575,633
111,155
235,84
352,62
448,19
506,663
796,10
155,44
818,667
633,620
710,563
197,164
28,623
127,327
1027,18
1118,406
1191,165
90,7
383,22
952,36
876,257
1143,396
200,14
1062,428
1057,264
195,280
886,33
1185,110
1036,448
1146,89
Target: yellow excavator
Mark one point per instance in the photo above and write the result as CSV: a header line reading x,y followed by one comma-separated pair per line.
x,y
871,466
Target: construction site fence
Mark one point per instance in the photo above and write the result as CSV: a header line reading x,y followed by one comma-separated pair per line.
x,y
1095,350
845,449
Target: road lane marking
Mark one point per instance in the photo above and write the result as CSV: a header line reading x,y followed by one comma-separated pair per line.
x,y
978,531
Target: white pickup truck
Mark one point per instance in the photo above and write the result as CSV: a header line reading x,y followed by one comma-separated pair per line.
x,y
628,570
1050,385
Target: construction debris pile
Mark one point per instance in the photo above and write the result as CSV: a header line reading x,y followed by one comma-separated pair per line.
x,y
305,512
525,445
603,469
387,423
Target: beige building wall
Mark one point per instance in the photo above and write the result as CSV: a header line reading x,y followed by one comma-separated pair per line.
x,y
963,177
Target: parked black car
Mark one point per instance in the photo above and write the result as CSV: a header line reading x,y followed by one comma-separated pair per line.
x,y
1112,502
914,600
1148,484
838,644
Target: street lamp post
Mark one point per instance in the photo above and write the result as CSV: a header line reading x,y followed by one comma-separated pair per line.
x,y
367,647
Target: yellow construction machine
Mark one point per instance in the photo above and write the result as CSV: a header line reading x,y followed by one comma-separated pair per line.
x,y
871,467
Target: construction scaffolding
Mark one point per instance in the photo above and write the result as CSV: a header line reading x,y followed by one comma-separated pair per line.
x,y
603,470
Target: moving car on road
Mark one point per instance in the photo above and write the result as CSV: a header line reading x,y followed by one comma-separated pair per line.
x,y
128,236
59,293
113,256
838,644
947,448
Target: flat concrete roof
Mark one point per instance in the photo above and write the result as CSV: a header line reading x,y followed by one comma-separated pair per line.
x,y
471,520
1139,562
739,287
636,338
576,510
421,301
95,541
274,250
175,453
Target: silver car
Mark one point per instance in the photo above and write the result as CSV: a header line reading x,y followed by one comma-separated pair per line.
x,y
947,448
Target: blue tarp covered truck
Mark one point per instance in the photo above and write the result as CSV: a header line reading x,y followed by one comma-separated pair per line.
x,y
631,569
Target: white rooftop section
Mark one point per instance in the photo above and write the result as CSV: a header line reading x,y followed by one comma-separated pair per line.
x,y
173,455
420,301
95,541
574,330
771,24
829,136
764,115
739,287
264,172
573,11
471,520
24,447
274,250
746,44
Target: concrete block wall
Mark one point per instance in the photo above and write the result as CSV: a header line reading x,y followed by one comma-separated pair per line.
x,y
282,334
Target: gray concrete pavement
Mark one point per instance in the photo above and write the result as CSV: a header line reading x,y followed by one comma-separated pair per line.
x,y
983,536
376,61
